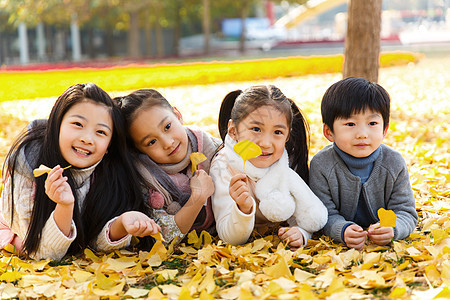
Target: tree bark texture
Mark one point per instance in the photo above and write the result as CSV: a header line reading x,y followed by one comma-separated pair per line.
x,y
362,43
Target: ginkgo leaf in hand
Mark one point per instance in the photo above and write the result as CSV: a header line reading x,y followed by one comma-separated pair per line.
x,y
388,218
196,158
44,169
247,150
41,170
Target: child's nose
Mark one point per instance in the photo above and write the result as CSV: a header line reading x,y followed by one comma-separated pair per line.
x,y
264,141
167,142
87,139
362,133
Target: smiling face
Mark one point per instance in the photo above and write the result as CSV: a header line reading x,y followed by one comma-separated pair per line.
x,y
159,133
268,128
359,135
86,131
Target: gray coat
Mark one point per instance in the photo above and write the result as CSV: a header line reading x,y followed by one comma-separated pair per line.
x,y
387,187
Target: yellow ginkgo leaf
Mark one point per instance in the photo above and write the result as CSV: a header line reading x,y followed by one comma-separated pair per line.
x,y
44,169
158,236
247,150
196,158
41,170
388,218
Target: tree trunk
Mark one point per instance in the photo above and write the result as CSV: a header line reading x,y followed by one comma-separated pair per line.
x,y
148,34
245,5
177,29
362,44
206,25
133,35
75,38
109,42
23,44
159,39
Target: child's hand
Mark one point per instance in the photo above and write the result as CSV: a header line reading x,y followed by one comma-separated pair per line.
x,y
380,235
293,235
57,188
139,224
202,186
240,193
355,237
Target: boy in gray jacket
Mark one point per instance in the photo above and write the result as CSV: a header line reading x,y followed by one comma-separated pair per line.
x,y
357,174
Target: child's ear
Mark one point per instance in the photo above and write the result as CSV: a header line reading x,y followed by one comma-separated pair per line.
x,y
178,114
232,130
385,130
328,133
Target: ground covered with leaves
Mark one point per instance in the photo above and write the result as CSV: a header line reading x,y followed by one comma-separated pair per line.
x,y
204,267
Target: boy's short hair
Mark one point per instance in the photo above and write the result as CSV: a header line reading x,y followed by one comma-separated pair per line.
x,y
354,95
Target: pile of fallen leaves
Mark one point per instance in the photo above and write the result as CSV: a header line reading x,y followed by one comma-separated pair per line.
x,y
204,267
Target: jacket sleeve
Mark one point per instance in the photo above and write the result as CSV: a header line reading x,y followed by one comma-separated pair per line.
x,y
103,242
310,213
233,226
54,244
402,202
319,184
169,228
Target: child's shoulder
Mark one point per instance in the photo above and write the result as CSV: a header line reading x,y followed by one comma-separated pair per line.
x,y
326,153
390,157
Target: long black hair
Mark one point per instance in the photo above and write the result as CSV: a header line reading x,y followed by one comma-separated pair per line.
x,y
131,105
239,104
115,187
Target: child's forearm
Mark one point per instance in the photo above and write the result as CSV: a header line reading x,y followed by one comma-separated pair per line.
x,y
63,218
117,230
186,216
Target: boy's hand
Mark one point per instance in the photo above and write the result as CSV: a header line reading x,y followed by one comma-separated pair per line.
x,y
380,235
57,188
293,235
355,237
202,186
139,224
240,193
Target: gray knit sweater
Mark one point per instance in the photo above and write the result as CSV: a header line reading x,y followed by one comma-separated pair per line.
x,y
388,187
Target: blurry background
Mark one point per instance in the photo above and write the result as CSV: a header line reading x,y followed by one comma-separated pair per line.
x,y
120,31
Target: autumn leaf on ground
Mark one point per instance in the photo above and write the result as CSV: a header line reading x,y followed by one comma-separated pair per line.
x,y
196,158
247,150
44,169
388,218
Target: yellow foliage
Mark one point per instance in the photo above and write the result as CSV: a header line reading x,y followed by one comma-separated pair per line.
x,y
203,267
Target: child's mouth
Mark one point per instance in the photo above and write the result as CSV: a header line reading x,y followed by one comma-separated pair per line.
x,y
175,150
81,151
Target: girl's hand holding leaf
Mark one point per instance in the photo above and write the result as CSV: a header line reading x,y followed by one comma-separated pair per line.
x,y
240,193
196,158
57,188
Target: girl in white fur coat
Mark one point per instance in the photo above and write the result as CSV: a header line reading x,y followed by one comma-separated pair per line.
x,y
272,190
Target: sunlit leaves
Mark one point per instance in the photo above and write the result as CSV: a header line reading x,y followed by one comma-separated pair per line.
x,y
202,267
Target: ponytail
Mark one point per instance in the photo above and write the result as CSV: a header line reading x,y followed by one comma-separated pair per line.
x,y
225,112
298,144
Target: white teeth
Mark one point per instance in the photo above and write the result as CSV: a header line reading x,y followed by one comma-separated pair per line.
x,y
82,151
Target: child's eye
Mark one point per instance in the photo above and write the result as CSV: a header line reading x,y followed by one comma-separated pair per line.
x,y
102,132
350,124
278,132
151,142
373,123
168,126
256,129
78,124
